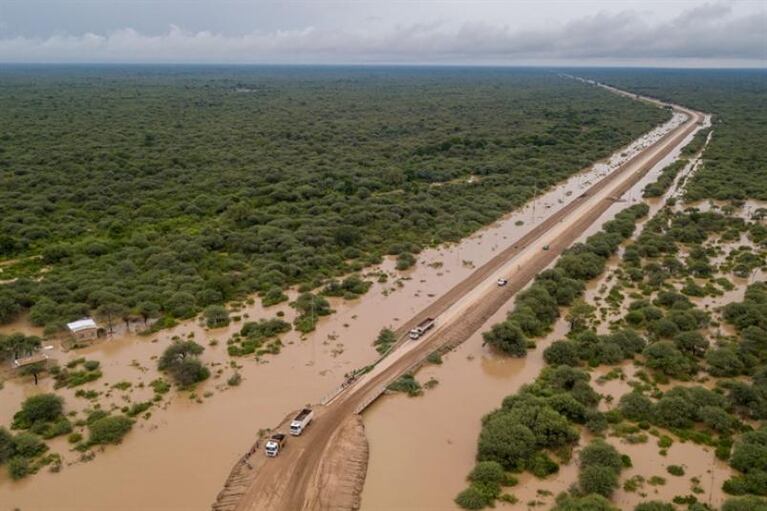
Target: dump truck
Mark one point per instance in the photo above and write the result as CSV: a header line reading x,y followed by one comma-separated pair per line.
x,y
300,421
275,444
422,328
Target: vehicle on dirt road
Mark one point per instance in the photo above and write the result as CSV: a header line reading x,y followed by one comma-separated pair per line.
x,y
301,421
275,444
502,282
422,327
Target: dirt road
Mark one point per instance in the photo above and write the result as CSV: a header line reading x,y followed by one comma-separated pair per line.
x,y
293,481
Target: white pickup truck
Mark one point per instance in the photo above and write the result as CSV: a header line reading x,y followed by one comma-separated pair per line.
x,y
300,421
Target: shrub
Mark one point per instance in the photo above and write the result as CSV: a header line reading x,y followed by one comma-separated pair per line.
x,y
180,360
540,465
405,260
273,296
7,445
28,445
406,383
472,498
488,472
675,470
506,442
18,467
598,479
654,506
434,358
39,408
188,372
386,337
636,406
562,353
588,503
508,338
745,504
109,430
216,316
601,453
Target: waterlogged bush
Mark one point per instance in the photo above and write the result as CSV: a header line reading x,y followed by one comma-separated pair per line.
x,y
675,470
600,468
654,506
181,362
42,408
486,482
273,296
749,456
536,308
745,504
508,338
504,441
474,497
567,502
71,376
28,445
310,308
43,415
216,316
254,334
598,479
599,452
408,384
636,406
351,287
385,339
405,260
19,467
109,430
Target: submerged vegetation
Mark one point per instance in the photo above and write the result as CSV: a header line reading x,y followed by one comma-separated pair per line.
x,y
542,419
151,193
536,308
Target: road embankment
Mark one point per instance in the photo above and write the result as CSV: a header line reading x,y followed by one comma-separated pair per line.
x,y
300,478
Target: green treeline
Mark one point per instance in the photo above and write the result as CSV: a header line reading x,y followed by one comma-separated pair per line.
x,y
735,166
156,193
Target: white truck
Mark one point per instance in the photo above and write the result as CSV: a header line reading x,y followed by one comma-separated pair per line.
x,y
275,444
300,421
421,328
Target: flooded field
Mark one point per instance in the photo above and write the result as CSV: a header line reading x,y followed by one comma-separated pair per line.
x,y
425,446
177,458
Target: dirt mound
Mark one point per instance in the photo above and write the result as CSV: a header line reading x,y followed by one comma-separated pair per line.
x,y
337,484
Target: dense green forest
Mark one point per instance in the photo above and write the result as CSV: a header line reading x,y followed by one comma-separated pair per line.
x,y
735,163
158,191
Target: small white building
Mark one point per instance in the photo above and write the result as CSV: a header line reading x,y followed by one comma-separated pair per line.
x,y
83,329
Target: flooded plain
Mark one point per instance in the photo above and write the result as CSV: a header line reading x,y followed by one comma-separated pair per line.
x,y
178,457
425,446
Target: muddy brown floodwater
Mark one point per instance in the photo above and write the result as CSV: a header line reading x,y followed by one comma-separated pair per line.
x,y
425,446
178,457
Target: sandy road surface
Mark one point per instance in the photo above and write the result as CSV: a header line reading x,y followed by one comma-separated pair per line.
x,y
290,481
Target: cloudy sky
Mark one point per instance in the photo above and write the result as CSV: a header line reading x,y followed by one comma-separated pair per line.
x,y
511,32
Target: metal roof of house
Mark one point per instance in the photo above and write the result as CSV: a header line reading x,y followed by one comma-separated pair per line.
x,y
81,324
32,359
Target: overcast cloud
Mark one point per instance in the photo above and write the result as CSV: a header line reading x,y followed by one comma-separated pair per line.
x,y
681,32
